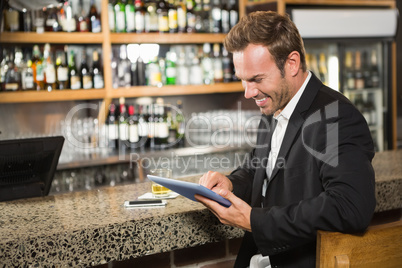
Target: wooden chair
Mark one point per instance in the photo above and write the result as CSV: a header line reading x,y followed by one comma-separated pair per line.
x,y
380,246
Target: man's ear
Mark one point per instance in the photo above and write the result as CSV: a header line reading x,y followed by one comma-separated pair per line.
x,y
293,63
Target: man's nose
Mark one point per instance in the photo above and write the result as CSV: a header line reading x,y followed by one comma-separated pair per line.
x,y
250,90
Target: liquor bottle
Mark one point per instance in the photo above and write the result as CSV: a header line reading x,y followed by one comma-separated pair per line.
x,y
183,70
97,70
171,68
120,15
27,77
227,65
217,63
124,68
199,17
375,72
123,125
196,72
114,65
37,66
225,16
12,76
141,69
111,16
207,25
112,128
75,79
172,17
12,20
62,71
323,68
143,126
161,125
133,135
52,22
163,18
130,16
207,65
39,20
139,16
151,17
170,115
3,69
95,25
70,24
366,70
191,18
348,71
359,79
50,70
82,19
27,21
181,16
85,72
180,124
151,126
154,76
233,13
216,17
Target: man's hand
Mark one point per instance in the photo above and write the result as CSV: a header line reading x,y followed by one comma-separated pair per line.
x,y
238,214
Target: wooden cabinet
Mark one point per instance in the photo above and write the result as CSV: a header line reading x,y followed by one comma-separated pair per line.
x,y
106,39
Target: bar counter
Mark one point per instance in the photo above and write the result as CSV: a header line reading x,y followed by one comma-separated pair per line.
x,y
92,227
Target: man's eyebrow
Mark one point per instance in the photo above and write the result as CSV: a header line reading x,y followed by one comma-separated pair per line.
x,y
255,77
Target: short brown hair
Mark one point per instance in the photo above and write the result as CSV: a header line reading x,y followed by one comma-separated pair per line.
x,y
276,32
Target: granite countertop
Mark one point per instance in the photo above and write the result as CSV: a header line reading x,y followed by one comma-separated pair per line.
x,y
92,227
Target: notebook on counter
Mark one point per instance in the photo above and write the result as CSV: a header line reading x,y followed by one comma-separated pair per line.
x,y
189,189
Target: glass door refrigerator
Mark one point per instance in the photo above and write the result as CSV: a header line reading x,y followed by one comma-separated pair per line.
x,y
357,64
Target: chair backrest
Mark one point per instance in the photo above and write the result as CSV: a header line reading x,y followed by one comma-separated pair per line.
x,y
379,246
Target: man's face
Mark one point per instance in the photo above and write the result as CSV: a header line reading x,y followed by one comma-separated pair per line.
x,y
262,79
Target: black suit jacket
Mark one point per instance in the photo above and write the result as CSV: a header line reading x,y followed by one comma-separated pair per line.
x,y
323,179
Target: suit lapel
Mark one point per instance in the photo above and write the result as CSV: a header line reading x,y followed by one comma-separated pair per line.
x,y
296,122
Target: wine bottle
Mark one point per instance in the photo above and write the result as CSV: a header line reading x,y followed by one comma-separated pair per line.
x,y
130,16
171,69
172,17
62,72
85,72
37,66
217,63
82,19
94,18
123,125
50,70
133,135
75,79
97,70
359,79
181,16
120,15
216,17
139,16
27,77
112,127
163,19
143,126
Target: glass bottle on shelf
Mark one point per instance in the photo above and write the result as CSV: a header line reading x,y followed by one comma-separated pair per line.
x,y
12,76
123,124
112,128
180,124
143,126
207,26
227,65
139,16
50,70
216,17
85,72
190,18
95,25
52,21
120,14
82,19
172,17
233,13
348,71
38,21
130,16
153,73
75,79
163,17
141,71
37,66
374,70
70,24
151,17
217,63
111,16
27,77
133,135
124,68
62,71
358,73
171,68
97,70
182,69
196,71
225,17
181,16
27,21
12,20
3,69
207,65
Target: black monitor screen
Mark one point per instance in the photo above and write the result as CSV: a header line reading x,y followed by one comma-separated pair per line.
x,y
27,166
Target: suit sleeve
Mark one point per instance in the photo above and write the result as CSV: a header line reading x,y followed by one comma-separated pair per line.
x,y
346,202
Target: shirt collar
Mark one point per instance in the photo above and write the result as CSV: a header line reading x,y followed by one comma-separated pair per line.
x,y
290,107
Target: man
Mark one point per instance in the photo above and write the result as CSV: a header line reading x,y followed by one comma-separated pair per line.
x,y
311,172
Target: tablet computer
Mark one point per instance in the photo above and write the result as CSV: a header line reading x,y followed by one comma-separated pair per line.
x,y
189,189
